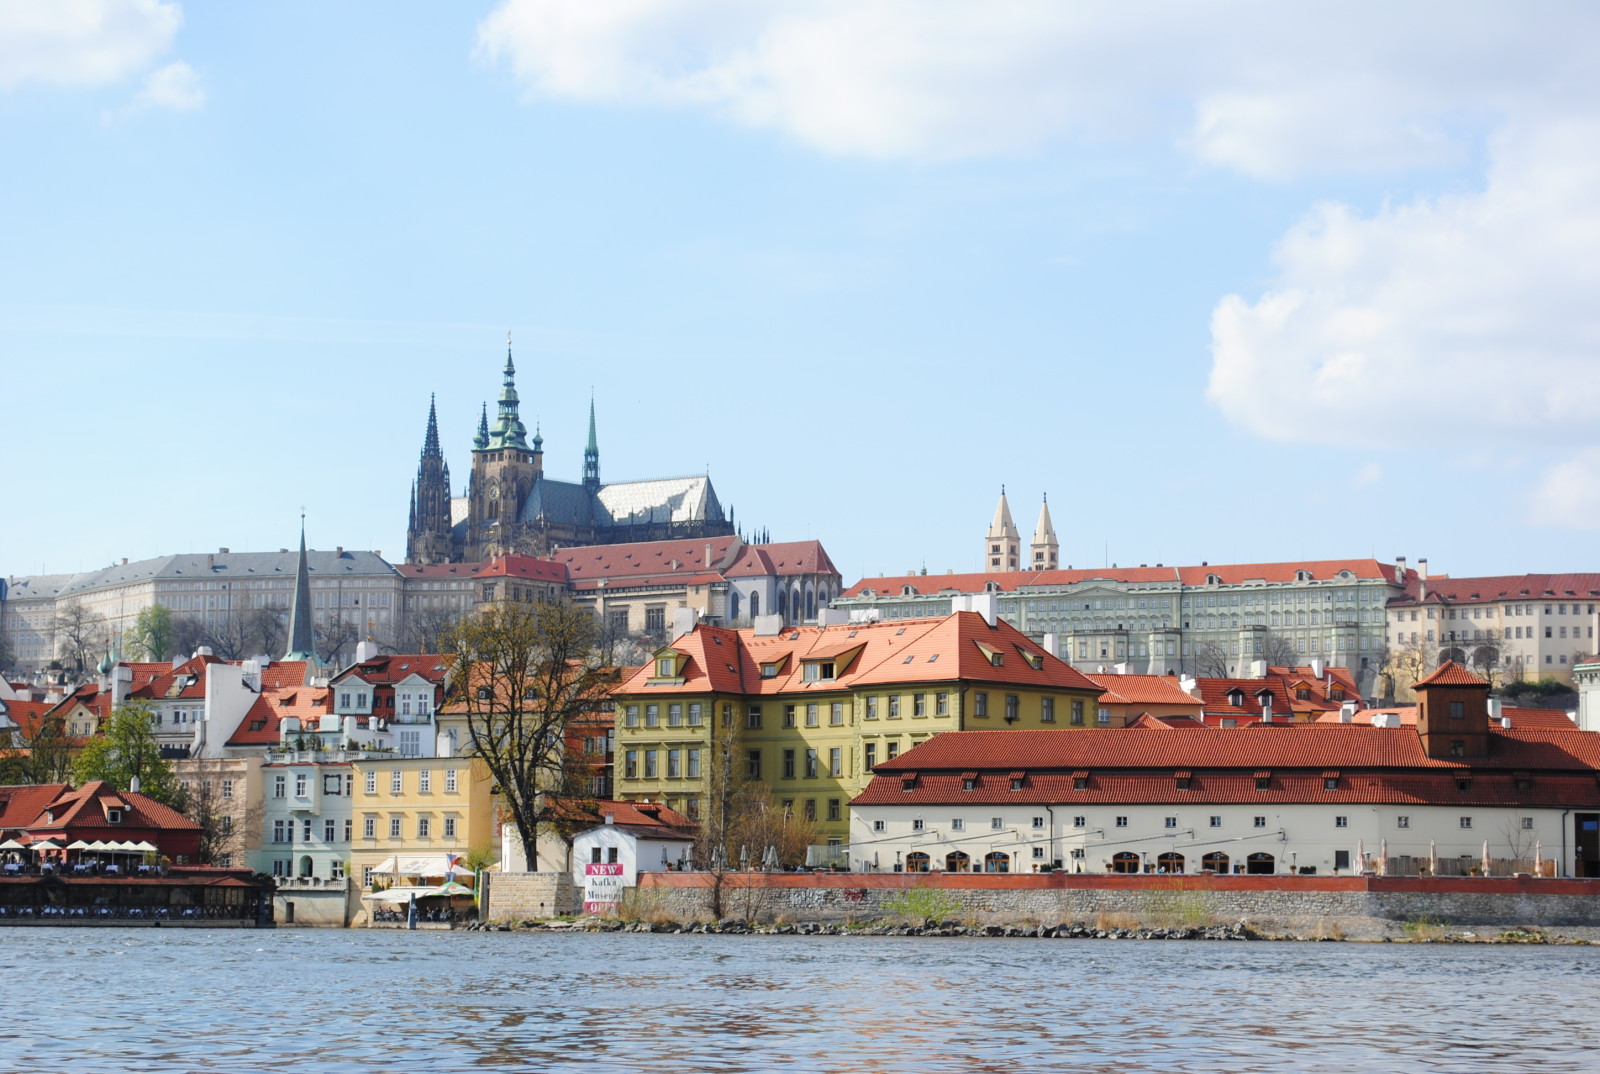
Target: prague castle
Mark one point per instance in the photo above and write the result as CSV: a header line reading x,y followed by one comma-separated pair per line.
x,y
512,506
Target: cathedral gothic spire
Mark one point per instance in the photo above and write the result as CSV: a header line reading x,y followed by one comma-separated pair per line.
x,y
428,535
591,455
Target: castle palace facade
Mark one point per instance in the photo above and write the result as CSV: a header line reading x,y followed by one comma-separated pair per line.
x,y
511,506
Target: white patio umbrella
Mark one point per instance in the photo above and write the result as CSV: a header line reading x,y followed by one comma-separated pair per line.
x,y
98,845
79,845
1486,857
45,844
144,846
11,844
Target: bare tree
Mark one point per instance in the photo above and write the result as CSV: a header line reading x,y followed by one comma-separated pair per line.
x,y
188,634
78,632
1278,650
1211,660
428,630
1485,659
1405,665
41,754
522,674
227,822
333,637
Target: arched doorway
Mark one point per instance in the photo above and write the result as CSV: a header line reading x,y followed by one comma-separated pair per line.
x,y
1125,861
997,862
916,862
305,865
1216,862
1261,864
957,861
1170,862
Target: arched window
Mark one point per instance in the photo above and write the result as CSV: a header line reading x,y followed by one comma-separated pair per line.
x,y
811,604
991,587
1261,864
755,605
957,862
796,602
997,861
916,862
783,602
1170,862
1216,862
733,604
907,591
1125,861
305,865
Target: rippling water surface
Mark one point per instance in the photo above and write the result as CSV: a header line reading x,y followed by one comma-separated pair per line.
x,y
304,1000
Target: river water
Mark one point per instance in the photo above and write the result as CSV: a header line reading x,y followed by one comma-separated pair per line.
x,y
315,1000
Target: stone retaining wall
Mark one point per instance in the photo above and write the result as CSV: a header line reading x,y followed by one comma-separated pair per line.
x,y
1357,904
519,896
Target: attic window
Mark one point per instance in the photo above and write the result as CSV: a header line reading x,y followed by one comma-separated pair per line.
x,y
908,781
1463,783
910,658
1236,698
1303,693
852,634
1302,576
113,815
1016,780
1263,780
1080,781
1330,781
1213,579
969,780
1034,660
934,658
1336,692
483,693
817,671
769,670
1182,779
899,632
907,591
1524,781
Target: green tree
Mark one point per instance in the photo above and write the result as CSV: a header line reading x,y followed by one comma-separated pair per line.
x,y
125,750
523,674
152,634
43,755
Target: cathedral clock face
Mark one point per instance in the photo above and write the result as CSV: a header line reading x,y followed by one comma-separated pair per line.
x,y
494,492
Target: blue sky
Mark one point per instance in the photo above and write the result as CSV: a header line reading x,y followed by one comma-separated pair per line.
x,y
1232,284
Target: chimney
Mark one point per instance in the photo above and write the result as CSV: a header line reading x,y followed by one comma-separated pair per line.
x,y
708,555
1347,712
338,550
1266,708
1400,569
1316,667
133,785
1422,568
611,818
222,551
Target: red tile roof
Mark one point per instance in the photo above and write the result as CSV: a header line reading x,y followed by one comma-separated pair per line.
x,y
186,681
1141,690
1010,581
438,570
1133,765
388,669
649,558
899,651
1507,587
519,566
261,724
1522,719
782,559
1451,673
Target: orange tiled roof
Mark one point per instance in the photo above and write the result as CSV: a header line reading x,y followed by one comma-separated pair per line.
x,y
1010,581
1512,587
520,566
1141,690
1451,673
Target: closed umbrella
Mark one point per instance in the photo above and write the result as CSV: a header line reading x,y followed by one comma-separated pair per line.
x,y
1486,857
771,860
1433,858
1383,857
1361,856
1538,858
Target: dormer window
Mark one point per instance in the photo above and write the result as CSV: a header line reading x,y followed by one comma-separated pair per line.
x,y
969,780
817,671
1302,576
769,670
1303,693
1016,780
1263,781
1080,781
666,667
113,815
1330,781
993,656
907,591
1236,698
1182,780
1213,579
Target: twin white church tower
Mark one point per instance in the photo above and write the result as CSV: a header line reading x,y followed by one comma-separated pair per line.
x,y
1003,546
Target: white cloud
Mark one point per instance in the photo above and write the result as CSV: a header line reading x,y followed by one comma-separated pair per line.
x,y
1370,474
1568,494
1263,88
175,86
1465,322
82,42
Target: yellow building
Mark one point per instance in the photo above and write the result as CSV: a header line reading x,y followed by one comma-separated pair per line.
x,y
809,710
416,807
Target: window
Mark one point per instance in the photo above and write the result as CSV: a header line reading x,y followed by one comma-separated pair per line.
x,y
694,764
811,764
674,764
1047,710
630,716
396,781
330,831
227,788
752,764
1402,822
919,705
1527,824
1341,822
878,826
1466,822
650,757
1122,822
836,714
788,715
1216,822
280,786
752,718
894,706
278,835
425,782
893,748
1260,822
788,764
1038,823
348,827
996,823
423,827
957,824
652,715
872,708
1011,708
675,714
1330,783
941,703
811,714
1077,711
369,827
1458,710
394,827
1080,822
694,713
869,756
980,704
810,809
836,762
833,809
630,764
449,781
1171,822
916,824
